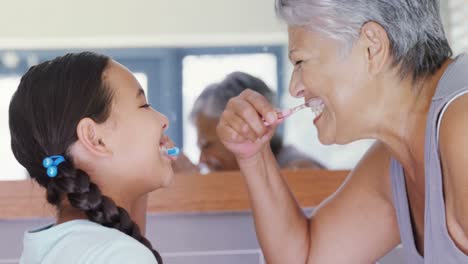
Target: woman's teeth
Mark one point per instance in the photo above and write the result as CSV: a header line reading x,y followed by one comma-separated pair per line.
x,y
317,110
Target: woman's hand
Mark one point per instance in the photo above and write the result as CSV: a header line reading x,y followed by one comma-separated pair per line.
x,y
241,127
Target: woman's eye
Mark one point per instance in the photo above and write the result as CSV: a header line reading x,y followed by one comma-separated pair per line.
x,y
145,106
298,63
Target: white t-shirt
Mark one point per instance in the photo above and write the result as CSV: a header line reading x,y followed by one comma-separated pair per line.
x,y
82,242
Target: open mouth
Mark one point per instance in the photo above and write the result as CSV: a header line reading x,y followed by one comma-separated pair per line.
x,y
167,148
316,106
317,110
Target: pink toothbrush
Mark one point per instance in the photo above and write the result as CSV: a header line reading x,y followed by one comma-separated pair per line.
x,y
313,103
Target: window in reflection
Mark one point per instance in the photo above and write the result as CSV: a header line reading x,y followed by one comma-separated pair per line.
x,y
143,80
458,31
11,169
200,71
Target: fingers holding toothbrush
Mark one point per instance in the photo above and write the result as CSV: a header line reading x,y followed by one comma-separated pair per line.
x,y
254,108
241,127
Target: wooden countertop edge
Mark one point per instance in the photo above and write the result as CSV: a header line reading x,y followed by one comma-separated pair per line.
x,y
216,192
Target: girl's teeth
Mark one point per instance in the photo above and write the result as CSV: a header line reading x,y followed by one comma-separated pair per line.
x,y
173,152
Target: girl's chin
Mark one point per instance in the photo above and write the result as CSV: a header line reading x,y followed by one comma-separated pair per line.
x,y
167,179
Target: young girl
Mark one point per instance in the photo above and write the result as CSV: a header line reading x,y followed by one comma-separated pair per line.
x,y
81,126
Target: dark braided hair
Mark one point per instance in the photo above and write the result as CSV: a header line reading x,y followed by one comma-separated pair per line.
x,y
50,101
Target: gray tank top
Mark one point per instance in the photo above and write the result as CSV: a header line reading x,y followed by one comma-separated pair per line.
x,y
438,246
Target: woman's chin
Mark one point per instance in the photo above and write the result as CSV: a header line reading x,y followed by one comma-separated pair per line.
x,y
330,137
326,138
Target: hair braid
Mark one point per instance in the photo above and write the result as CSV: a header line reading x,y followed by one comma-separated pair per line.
x,y
86,196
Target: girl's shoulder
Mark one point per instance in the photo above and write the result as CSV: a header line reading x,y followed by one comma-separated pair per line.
x,y
87,242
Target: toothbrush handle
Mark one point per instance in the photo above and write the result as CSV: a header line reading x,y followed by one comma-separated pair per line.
x,y
281,114
278,121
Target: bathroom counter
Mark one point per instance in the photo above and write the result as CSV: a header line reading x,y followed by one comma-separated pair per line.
x,y
215,192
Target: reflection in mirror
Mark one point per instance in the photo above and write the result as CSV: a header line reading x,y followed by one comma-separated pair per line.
x,y
200,71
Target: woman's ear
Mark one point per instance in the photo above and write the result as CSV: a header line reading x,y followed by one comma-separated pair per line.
x,y
377,46
90,137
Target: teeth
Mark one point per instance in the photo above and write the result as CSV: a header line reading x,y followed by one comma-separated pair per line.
x,y
173,152
317,110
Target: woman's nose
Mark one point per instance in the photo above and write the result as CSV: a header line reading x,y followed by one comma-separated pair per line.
x,y
296,88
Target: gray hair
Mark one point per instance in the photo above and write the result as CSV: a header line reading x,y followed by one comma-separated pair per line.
x,y
214,98
414,27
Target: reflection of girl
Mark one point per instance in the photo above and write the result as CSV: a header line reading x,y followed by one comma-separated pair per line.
x,y
382,70
80,124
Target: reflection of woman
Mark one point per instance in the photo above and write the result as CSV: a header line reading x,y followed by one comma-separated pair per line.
x,y
206,112
382,70
80,124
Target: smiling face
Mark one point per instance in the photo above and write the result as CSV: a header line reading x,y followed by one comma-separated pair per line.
x,y
134,135
343,83
212,151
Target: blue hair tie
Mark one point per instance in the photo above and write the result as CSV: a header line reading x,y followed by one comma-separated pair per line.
x,y
51,163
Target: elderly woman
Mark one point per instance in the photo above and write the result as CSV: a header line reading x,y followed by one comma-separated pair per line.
x,y
382,70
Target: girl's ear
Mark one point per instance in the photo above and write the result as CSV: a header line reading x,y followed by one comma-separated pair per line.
x,y
90,137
